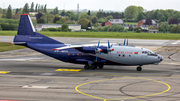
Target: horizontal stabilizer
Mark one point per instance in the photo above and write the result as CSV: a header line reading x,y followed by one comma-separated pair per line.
x,y
19,43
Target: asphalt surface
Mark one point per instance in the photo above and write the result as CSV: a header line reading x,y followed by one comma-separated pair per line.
x,y
26,75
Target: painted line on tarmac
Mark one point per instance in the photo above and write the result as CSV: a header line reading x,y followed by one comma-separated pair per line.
x,y
69,70
4,72
157,48
168,88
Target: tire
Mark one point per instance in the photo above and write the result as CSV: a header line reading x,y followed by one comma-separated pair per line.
x,y
138,68
86,67
92,67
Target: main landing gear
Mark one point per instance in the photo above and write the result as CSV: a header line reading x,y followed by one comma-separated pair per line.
x,y
139,68
92,67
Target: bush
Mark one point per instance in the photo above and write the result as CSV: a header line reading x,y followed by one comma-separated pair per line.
x,y
176,29
138,28
64,28
11,27
138,31
50,29
117,28
0,28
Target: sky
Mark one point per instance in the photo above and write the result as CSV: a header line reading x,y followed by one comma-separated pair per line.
x,y
113,5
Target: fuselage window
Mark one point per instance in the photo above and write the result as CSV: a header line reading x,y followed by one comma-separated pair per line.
x,y
119,55
129,55
123,55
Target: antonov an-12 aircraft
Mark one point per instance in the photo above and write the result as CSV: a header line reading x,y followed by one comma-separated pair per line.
x,y
91,55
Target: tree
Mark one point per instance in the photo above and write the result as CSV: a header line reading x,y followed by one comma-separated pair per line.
x,y
131,12
63,13
45,9
164,25
94,20
173,21
50,18
36,8
17,10
148,21
84,15
101,20
89,13
55,11
64,27
109,17
26,9
16,16
34,22
84,23
62,20
41,20
32,7
162,19
56,18
71,15
39,8
89,25
140,16
38,16
9,12
177,15
1,10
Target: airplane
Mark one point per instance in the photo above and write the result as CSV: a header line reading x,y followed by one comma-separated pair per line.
x,y
91,55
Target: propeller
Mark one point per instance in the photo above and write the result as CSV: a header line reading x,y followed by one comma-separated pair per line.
x,y
98,50
109,49
125,43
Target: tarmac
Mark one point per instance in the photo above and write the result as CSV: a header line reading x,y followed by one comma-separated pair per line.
x,y
26,75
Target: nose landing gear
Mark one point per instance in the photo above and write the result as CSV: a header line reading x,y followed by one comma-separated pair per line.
x,y
139,68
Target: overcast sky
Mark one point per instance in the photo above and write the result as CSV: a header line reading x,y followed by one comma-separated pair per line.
x,y
114,5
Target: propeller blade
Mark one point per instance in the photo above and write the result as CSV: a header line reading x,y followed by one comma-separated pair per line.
x,y
124,42
98,44
127,42
109,44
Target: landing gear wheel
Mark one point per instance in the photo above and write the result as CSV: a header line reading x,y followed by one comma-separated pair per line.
x,y
138,68
92,67
101,66
86,67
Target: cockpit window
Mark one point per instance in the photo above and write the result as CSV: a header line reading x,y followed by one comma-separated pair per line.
x,y
144,52
148,52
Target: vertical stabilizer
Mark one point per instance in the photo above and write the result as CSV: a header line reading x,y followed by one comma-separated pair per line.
x,y
25,26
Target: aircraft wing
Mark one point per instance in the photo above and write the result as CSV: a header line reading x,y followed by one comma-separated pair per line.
x,y
74,46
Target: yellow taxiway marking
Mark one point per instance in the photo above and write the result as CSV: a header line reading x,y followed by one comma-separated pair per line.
x,y
4,72
71,70
168,88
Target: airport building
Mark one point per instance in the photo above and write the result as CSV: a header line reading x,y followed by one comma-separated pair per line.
x,y
73,27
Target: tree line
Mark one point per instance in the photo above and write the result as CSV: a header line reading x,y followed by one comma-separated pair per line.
x,y
44,15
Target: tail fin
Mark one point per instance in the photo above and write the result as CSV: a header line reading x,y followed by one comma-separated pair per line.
x,y
26,33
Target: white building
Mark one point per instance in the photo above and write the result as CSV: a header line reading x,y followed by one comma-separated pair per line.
x,y
73,27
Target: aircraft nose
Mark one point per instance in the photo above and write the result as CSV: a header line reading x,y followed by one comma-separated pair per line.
x,y
160,57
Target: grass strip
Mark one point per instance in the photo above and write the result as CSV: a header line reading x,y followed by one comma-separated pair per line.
x,y
8,47
129,35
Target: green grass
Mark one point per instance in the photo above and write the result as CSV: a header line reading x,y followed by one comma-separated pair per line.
x,y
8,47
131,23
129,35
